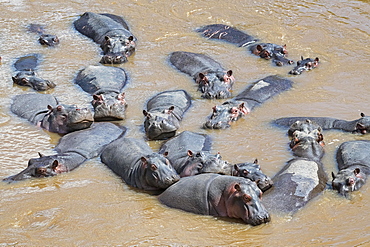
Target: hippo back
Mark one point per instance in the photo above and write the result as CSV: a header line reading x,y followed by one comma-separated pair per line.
x,y
353,153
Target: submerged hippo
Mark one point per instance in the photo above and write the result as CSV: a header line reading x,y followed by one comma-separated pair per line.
x,y
234,36
26,75
44,38
111,33
307,145
213,80
254,95
361,125
105,84
72,150
135,162
164,113
304,65
353,158
217,195
45,111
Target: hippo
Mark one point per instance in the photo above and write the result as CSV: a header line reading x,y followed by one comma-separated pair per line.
x,y
304,65
106,85
44,38
72,150
241,39
45,111
112,34
213,80
359,126
26,75
217,195
254,95
164,112
307,126
307,145
354,166
135,162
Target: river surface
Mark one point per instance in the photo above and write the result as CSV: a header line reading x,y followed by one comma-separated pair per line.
x,y
91,206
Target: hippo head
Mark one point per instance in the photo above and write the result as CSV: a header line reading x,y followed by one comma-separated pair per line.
x,y
30,79
252,171
280,59
49,40
204,162
307,145
224,114
271,51
64,119
116,49
159,173
244,201
362,125
160,125
304,65
109,106
306,126
348,180
44,166
215,86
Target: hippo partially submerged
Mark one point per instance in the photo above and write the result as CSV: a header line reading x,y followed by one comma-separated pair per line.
x,y
353,158
45,111
217,195
112,34
213,80
164,113
254,95
106,85
305,64
72,150
44,38
26,75
135,162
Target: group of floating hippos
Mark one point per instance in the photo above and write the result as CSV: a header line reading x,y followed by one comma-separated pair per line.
x,y
185,172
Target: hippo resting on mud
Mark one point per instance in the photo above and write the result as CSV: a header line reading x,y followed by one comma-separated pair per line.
x,y
361,125
190,154
44,110
44,38
105,84
213,80
135,162
164,113
254,95
72,150
111,33
217,195
241,39
26,75
353,158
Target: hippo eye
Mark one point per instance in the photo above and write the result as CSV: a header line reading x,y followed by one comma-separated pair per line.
x,y
247,198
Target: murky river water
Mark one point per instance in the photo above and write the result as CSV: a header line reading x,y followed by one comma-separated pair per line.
x,y
91,206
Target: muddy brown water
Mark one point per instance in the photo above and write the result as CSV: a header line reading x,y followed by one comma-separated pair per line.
x,y
91,206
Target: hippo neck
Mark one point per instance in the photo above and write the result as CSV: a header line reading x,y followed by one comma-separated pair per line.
x,y
344,125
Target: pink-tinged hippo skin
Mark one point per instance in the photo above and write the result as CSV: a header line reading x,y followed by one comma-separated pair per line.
x,y
353,158
105,84
217,195
72,150
45,111
111,33
164,112
135,162
214,82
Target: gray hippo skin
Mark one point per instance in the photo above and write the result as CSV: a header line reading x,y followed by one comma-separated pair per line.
x,y
217,195
111,33
44,38
241,39
72,150
164,113
105,84
353,158
45,111
307,145
213,81
254,95
26,75
361,125
304,65
135,162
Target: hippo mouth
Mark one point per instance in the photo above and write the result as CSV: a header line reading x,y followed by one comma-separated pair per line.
x,y
256,219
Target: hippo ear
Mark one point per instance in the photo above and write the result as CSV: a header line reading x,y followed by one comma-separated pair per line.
x,y
237,187
190,153
255,161
97,97
121,96
362,114
243,109
333,175
131,38
229,73
316,59
165,154
143,159
50,108
146,114
259,48
302,58
14,80
41,155
170,110
201,76
55,165
356,171
236,167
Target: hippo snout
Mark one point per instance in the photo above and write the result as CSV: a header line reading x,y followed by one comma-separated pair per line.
x,y
113,59
259,219
172,179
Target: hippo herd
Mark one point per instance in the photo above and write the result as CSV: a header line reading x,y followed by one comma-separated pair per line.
x,y
185,173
